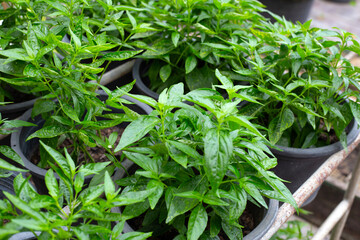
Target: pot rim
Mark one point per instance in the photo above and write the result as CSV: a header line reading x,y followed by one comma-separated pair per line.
x,y
139,82
15,107
320,151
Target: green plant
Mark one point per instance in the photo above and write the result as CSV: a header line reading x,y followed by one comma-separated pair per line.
x,y
293,230
68,79
185,41
72,210
204,163
303,82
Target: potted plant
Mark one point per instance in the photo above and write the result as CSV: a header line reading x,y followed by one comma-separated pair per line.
x,y
70,106
205,163
303,83
73,209
186,42
14,22
33,49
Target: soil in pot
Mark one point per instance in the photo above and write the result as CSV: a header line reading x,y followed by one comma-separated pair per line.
x,y
16,96
148,83
256,221
296,165
250,219
97,153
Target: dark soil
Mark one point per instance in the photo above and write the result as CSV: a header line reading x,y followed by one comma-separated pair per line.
x,y
17,97
246,220
5,221
97,153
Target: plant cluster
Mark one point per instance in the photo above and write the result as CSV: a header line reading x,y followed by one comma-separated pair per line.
x,y
303,82
205,161
73,209
45,63
197,166
186,42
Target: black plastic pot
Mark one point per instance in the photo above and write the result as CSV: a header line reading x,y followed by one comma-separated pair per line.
x,y
14,110
292,10
25,149
264,218
142,87
6,184
297,165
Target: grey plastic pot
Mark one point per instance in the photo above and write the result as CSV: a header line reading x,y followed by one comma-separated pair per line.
x,y
140,84
25,236
264,217
297,165
25,149
14,110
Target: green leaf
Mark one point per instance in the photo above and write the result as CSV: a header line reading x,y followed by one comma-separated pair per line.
x,y
197,222
120,56
355,109
287,119
42,201
135,210
93,168
186,149
109,187
136,130
165,72
253,191
134,236
91,193
274,130
175,36
179,205
59,159
232,231
32,224
158,189
130,198
190,63
16,53
218,148
145,162
242,121
70,112
52,184
202,28
132,19
75,38
48,132
10,153
23,206
200,78
177,155
211,199
224,80
71,164
7,166
42,106
79,182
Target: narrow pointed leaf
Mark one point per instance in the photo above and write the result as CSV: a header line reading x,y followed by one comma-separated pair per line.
x,y
136,130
